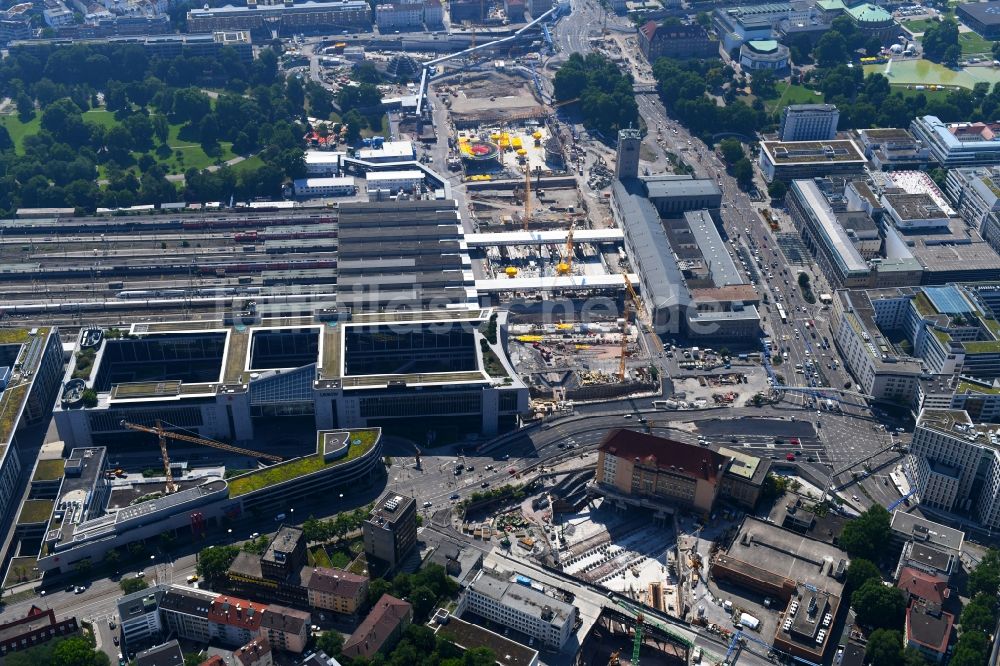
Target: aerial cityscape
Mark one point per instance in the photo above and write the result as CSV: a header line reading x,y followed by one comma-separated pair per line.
x,y
513,332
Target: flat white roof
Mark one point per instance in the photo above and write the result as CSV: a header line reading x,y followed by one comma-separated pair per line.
x,y
412,174
339,181
323,156
388,149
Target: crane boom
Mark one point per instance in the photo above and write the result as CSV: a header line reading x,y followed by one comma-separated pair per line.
x,y
164,434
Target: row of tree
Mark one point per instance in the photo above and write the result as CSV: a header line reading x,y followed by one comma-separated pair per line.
x,y
606,95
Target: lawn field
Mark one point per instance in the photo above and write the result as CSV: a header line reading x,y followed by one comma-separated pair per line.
x,y
19,130
791,94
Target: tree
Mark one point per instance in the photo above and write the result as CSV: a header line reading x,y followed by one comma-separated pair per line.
x,y
214,561
132,584
777,190
25,108
913,657
972,650
743,173
6,143
879,606
860,572
885,648
831,50
985,578
732,150
938,39
979,614
331,642
866,535
78,651
355,123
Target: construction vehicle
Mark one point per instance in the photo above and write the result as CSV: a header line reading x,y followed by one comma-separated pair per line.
x,y
164,434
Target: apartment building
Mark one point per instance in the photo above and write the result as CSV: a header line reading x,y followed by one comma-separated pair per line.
x,y
381,629
520,606
285,629
185,613
335,590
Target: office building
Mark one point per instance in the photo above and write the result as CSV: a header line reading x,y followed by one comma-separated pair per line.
x,y
789,160
627,154
871,358
955,464
959,144
390,531
389,151
808,122
167,654
743,479
674,195
205,45
520,606
468,636
907,527
397,15
335,590
407,180
15,23
893,149
804,574
325,163
140,619
275,576
285,17
674,39
381,629
433,14
186,614
633,465
339,186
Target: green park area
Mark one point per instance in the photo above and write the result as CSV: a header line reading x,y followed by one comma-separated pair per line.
x,y
791,94
182,155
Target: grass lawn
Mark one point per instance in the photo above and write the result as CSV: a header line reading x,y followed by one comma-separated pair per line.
x,y
49,470
19,130
918,26
928,94
247,164
791,94
35,511
187,154
100,117
973,44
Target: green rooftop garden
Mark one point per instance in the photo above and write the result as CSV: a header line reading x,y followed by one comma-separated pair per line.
x,y
22,570
943,336
49,470
923,304
971,387
10,405
982,347
10,336
35,511
361,442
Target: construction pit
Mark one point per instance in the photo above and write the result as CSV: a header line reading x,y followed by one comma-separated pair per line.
x,y
632,553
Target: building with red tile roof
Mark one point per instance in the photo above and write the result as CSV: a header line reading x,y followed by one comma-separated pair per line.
x,y
381,630
920,585
235,621
638,465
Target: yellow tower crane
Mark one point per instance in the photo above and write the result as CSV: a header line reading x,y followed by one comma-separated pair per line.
x,y
527,195
164,435
565,267
632,299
